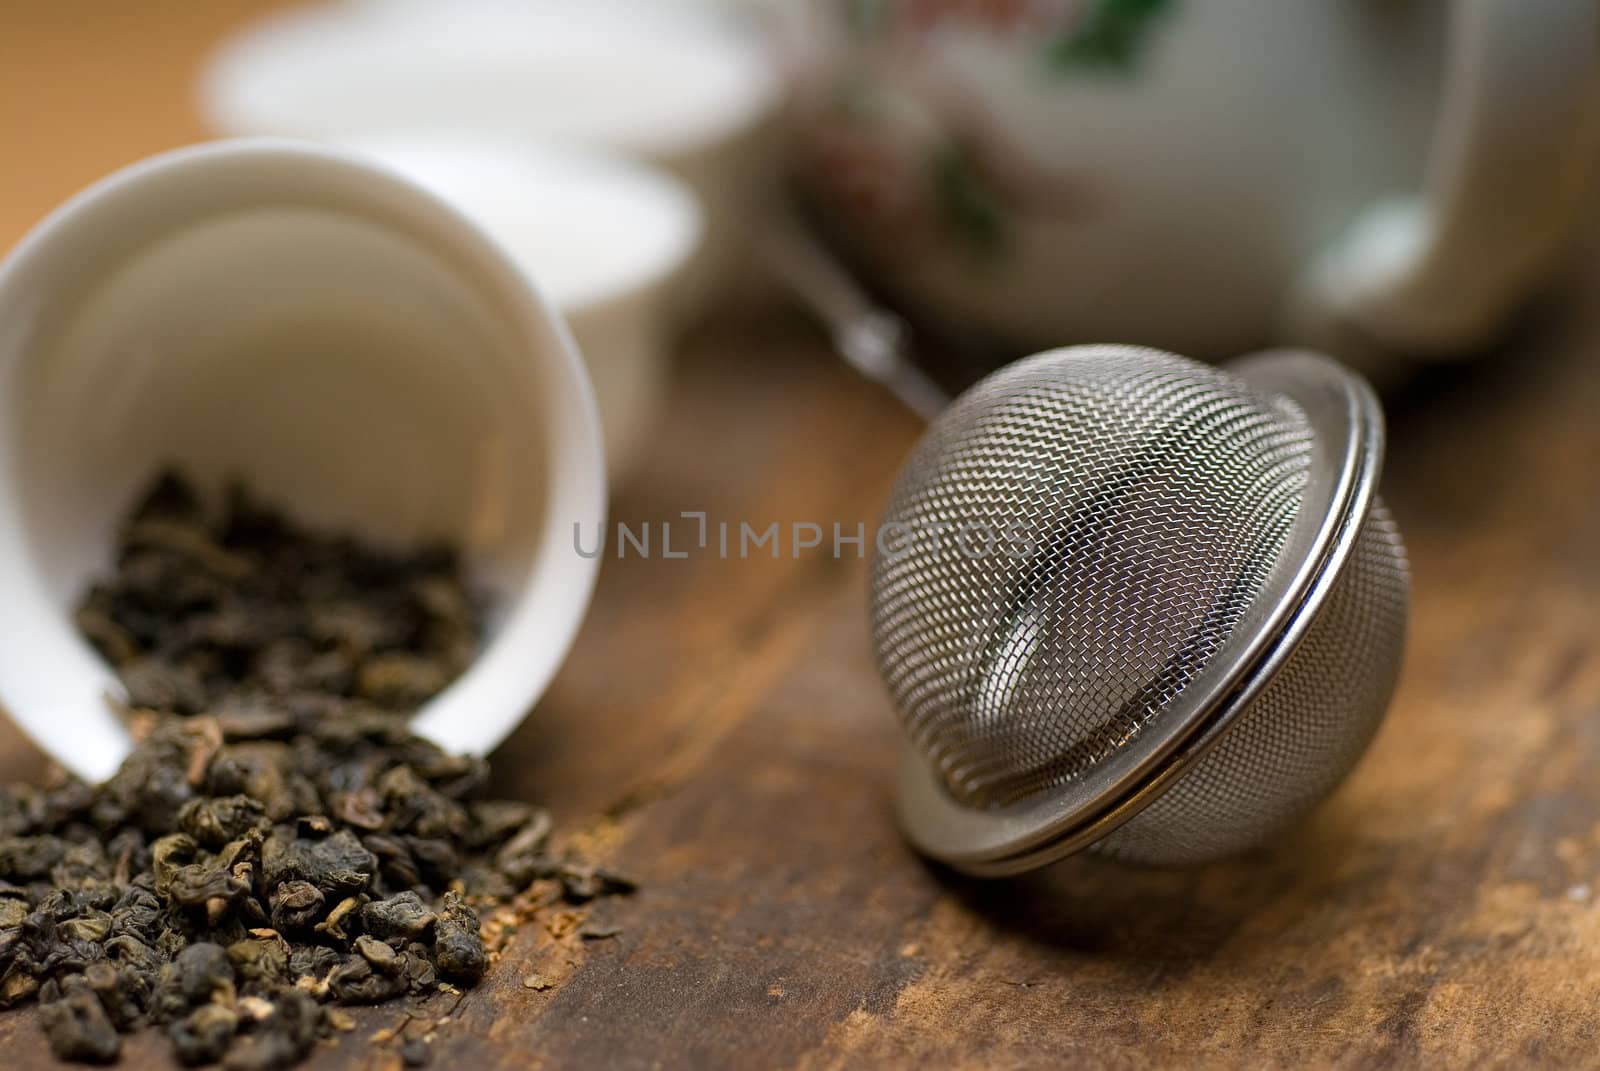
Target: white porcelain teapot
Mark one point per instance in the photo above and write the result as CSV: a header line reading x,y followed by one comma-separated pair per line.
x,y
1200,175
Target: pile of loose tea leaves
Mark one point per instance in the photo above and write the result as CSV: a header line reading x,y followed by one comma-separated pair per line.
x,y
277,841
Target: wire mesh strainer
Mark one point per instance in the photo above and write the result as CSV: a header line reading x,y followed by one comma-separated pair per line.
x,y
1128,600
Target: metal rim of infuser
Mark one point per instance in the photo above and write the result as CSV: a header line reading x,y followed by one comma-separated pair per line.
x,y
1345,458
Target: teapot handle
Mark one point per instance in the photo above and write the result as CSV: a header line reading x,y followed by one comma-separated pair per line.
x,y
1508,171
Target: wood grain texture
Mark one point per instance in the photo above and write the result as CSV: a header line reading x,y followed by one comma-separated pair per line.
x,y
720,734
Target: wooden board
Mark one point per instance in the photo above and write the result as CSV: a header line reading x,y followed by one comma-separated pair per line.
x,y
721,735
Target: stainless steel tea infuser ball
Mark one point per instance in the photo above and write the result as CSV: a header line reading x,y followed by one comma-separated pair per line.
x,y
1123,600
1128,601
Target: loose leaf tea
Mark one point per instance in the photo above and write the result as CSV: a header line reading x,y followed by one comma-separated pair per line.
x,y
277,841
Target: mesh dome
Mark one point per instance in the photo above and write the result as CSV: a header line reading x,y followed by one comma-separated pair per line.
x,y
1070,546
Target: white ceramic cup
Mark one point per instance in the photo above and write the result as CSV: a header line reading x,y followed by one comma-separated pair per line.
x,y
339,338
606,238
684,86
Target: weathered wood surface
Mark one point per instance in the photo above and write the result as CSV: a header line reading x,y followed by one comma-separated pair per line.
x,y
720,734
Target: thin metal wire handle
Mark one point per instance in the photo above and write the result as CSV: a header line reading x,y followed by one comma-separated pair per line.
x,y
872,339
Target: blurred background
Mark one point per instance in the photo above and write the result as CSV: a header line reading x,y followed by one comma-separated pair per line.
x,y
1390,182
87,87
952,183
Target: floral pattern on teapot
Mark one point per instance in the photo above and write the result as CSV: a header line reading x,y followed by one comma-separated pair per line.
x,y
909,156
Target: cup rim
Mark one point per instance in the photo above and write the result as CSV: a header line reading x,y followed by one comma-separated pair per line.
x,y
542,616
